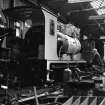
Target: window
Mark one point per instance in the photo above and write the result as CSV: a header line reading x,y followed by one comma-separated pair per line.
x,y
99,5
52,27
18,30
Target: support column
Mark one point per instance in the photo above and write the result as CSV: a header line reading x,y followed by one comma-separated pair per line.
x,y
104,51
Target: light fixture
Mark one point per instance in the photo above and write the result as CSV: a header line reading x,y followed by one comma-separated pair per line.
x,y
2,26
4,87
78,1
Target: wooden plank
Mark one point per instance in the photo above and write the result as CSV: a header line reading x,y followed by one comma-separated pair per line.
x,y
30,98
36,99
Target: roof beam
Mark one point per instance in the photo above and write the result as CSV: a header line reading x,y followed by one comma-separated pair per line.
x,y
78,1
31,2
95,24
97,17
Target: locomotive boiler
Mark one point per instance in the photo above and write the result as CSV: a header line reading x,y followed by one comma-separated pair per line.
x,y
67,44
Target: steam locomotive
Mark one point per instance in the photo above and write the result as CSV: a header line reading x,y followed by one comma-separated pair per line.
x,y
43,49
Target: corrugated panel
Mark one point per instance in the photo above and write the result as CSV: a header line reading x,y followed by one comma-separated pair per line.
x,y
99,100
85,102
94,102
77,101
91,99
69,102
82,99
103,102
